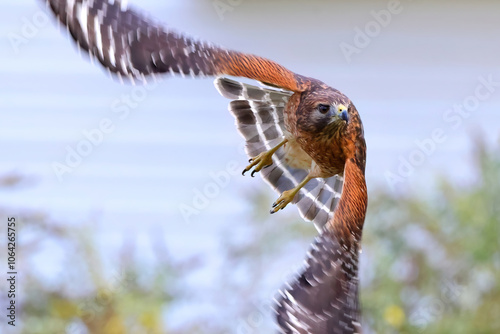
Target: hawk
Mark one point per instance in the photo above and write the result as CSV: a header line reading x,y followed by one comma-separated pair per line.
x,y
291,126
304,137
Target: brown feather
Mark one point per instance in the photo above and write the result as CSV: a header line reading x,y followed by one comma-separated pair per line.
x,y
258,68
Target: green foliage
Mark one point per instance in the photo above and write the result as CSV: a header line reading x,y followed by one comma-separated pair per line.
x,y
430,265
87,297
435,262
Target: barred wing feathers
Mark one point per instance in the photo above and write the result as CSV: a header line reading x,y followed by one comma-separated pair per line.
x,y
323,299
260,120
130,44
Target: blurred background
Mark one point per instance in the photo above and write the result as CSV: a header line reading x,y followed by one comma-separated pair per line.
x,y
133,216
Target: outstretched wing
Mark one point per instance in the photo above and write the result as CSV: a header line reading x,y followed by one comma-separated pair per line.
x,y
260,120
323,299
130,44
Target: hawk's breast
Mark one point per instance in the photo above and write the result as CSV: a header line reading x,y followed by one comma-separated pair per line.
x,y
295,156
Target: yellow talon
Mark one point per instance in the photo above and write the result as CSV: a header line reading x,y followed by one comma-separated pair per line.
x,y
284,199
264,159
288,195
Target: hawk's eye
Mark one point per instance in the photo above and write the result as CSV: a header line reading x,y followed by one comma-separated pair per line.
x,y
323,108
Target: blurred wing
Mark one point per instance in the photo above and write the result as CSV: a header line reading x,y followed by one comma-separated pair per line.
x,y
323,299
260,120
130,44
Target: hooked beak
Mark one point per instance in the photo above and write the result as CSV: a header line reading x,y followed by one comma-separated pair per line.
x,y
342,113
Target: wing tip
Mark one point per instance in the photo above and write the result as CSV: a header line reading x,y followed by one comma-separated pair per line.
x,y
222,85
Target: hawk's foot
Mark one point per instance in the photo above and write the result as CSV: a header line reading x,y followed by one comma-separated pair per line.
x,y
288,195
285,198
263,160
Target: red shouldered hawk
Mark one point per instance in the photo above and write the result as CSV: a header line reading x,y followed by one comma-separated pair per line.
x,y
292,126
308,135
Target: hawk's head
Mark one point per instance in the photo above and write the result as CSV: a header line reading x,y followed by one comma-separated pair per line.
x,y
327,121
324,111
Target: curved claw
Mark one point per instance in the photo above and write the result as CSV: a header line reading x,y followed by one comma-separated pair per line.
x,y
259,162
282,201
278,205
